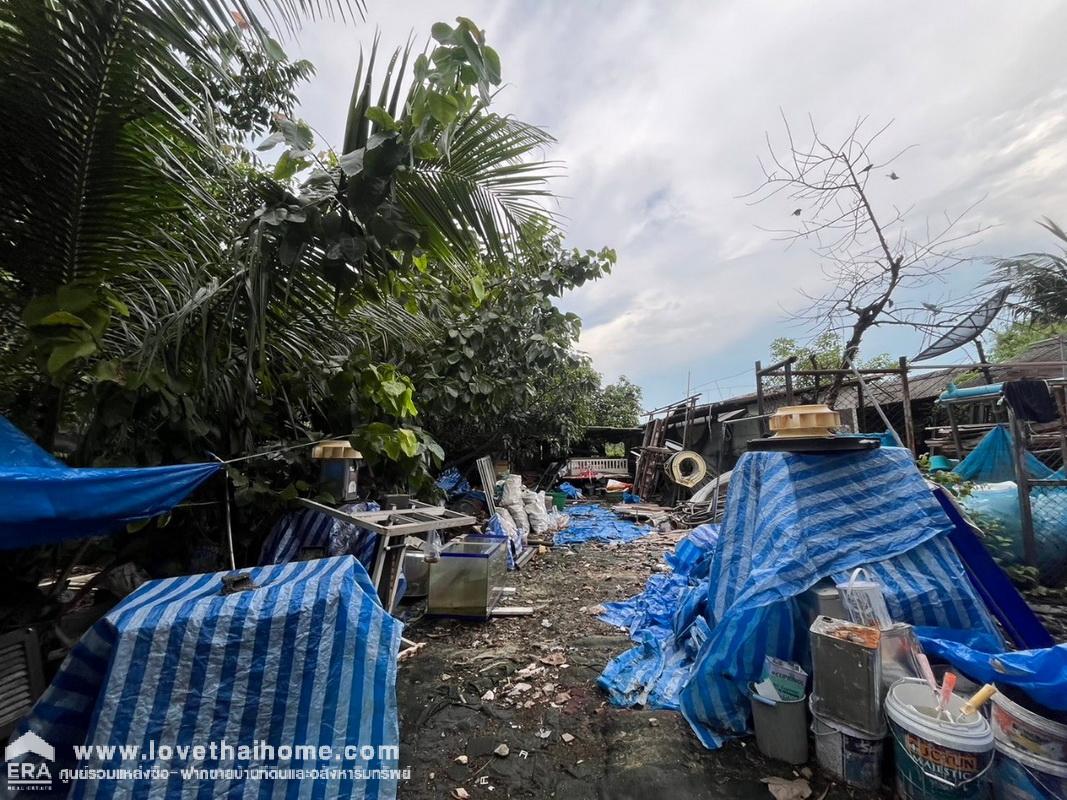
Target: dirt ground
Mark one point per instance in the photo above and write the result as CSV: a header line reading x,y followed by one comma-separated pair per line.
x,y
540,672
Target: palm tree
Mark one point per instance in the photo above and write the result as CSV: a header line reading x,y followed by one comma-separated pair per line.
x,y
122,263
1038,281
115,159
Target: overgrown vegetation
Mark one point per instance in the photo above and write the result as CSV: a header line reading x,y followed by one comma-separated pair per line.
x,y
1002,547
169,294
1038,299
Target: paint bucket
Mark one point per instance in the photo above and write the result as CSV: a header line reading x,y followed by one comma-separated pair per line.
x,y
937,759
1018,775
781,728
1022,729
850,756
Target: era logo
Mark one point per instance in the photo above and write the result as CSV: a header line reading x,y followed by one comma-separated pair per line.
x,y
29,774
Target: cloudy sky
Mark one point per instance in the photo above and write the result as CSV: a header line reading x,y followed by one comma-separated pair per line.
x,y
660,111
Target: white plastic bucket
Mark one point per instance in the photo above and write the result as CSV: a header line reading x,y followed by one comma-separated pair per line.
x,y
937,759
849,755
1018,775
864,601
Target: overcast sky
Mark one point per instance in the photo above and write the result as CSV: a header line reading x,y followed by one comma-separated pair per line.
x,y
660,111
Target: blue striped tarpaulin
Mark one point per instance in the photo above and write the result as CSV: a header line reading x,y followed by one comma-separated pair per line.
x,y
308,657
792,520
307,528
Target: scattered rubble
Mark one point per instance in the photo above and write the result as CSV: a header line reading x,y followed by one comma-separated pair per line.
x,y
576,744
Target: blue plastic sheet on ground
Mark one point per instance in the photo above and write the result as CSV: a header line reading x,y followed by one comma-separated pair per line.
x,y
792,520
569,489
1041,673
654,672
43,501
593,523
992,461
692,555
307,657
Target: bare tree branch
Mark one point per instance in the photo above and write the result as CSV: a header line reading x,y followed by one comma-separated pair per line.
x,y
868,256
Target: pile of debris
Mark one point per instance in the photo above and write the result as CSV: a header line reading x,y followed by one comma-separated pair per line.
x,y
722,620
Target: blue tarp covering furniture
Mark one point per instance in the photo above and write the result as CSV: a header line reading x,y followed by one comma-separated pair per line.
x,y
301,530
42,501
307,528
306,658
992,462
792,520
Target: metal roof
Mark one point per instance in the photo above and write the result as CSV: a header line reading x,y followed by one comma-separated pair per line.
x,y
922,384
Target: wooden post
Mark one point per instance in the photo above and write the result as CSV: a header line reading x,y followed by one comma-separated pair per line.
x,y
861,418
688,417
909,423
1060,393
759,398
788,384
1022,481
955,430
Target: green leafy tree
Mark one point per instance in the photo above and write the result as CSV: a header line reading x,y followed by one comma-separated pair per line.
x,y
505,372
618,404
1018,337
822,352
169,295
118,166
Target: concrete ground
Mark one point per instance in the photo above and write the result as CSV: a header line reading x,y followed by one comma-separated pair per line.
x,y
537,676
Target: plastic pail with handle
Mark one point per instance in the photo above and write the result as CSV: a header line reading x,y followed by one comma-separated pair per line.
x,y
943,756
781,727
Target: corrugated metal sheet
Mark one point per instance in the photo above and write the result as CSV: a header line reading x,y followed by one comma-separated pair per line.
x,y
923,384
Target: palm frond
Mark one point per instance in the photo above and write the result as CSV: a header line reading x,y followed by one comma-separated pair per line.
x,y
1038,280
484,190
112,134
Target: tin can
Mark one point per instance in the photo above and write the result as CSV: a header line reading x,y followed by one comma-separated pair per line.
x,y
847,680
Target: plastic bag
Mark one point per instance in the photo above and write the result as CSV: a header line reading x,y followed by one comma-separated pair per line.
x,y
864,601
432,549
522,521
507,522
513,490
534,504
557,520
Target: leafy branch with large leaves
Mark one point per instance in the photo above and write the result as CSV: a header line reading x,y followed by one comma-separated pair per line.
x,y
168,294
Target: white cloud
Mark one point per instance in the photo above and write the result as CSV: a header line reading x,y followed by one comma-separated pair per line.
x,y
660,111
